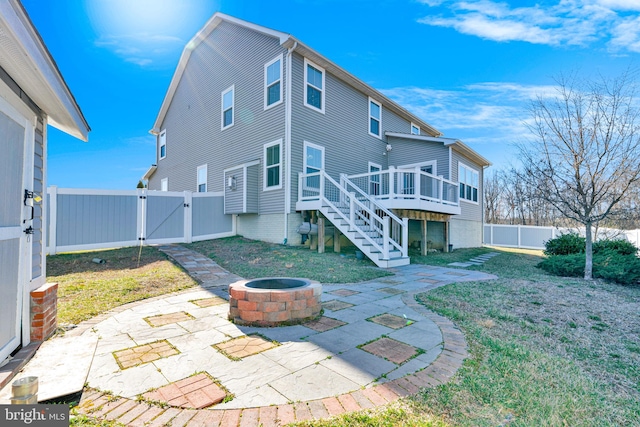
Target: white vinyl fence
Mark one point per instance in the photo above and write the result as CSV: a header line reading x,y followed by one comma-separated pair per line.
x,y
80,219
534,237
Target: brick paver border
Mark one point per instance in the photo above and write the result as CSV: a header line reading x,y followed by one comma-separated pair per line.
x,y
100,405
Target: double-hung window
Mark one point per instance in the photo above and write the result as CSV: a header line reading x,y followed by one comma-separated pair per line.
x,y
272,165
375,118
313,86
202,179
469,182
228,99
273,82
415,130
162,145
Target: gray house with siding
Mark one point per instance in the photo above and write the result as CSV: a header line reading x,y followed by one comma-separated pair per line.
x,y
289,137
33,94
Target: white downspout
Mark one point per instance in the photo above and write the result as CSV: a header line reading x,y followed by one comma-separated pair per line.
x,y
287,148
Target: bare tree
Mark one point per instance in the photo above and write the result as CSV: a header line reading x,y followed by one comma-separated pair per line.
x,y
493,188
585,152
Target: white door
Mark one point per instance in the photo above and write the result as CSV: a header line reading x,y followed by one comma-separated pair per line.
x,y
313,163
15,130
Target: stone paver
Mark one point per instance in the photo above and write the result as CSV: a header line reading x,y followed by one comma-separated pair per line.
x,y
390,349
343,292
209,302
245,346
165,319
336,305
145,353
391,321
324,324
318,366
196,392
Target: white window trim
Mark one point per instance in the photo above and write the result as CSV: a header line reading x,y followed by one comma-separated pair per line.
x,y
162,142
379,136
459,182
231,89
206,178
278,58
413,125
264,167
308,144
164,184
306,85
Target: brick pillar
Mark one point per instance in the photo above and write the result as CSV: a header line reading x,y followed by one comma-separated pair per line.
x,y
44,311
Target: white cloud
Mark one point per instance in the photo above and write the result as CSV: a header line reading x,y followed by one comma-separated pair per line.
x,y
564,22
490,116
141,49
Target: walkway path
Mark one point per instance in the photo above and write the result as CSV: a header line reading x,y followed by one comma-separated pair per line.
x,y
163,358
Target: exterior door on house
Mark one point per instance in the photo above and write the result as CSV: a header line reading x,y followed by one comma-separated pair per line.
x,y
313,163
428,186
17,151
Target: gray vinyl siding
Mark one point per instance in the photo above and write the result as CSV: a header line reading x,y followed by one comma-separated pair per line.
x,y
407,152
253,190
343,129
233,197
37,243
231,55
469,211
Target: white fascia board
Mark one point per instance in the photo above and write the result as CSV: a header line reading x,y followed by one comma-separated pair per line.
x,y
37,74
211,25
149,172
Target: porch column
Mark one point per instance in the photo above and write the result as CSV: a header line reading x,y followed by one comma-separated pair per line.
x,y
423,240
336,240
446,236
320,235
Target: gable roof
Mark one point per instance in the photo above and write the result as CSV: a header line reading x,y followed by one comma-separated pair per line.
x,y
447,142
26,59
288,42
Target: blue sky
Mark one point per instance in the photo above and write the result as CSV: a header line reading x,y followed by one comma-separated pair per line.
x,y
469,68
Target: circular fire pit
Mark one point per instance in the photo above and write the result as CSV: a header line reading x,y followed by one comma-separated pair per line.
x,y
273,301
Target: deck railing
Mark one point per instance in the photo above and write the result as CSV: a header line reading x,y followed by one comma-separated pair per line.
x,y
407,184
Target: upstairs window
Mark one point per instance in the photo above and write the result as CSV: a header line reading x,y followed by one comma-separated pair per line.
x,y
314,86
202,179
273,82
375,118
227,107
469,181
272,163
162,144
415,130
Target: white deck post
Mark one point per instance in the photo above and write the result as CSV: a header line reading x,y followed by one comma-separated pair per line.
x,y
417,183
405,236
352,210
386,225
392,182
188,217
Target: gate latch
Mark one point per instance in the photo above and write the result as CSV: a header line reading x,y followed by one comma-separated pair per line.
x,y
29,230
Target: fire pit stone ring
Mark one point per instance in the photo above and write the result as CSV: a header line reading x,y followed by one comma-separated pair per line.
x,y
274,301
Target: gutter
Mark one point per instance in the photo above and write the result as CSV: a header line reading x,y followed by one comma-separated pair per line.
x,y
287,143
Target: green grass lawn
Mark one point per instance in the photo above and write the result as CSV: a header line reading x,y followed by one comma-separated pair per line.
x,y
86,289
252,258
